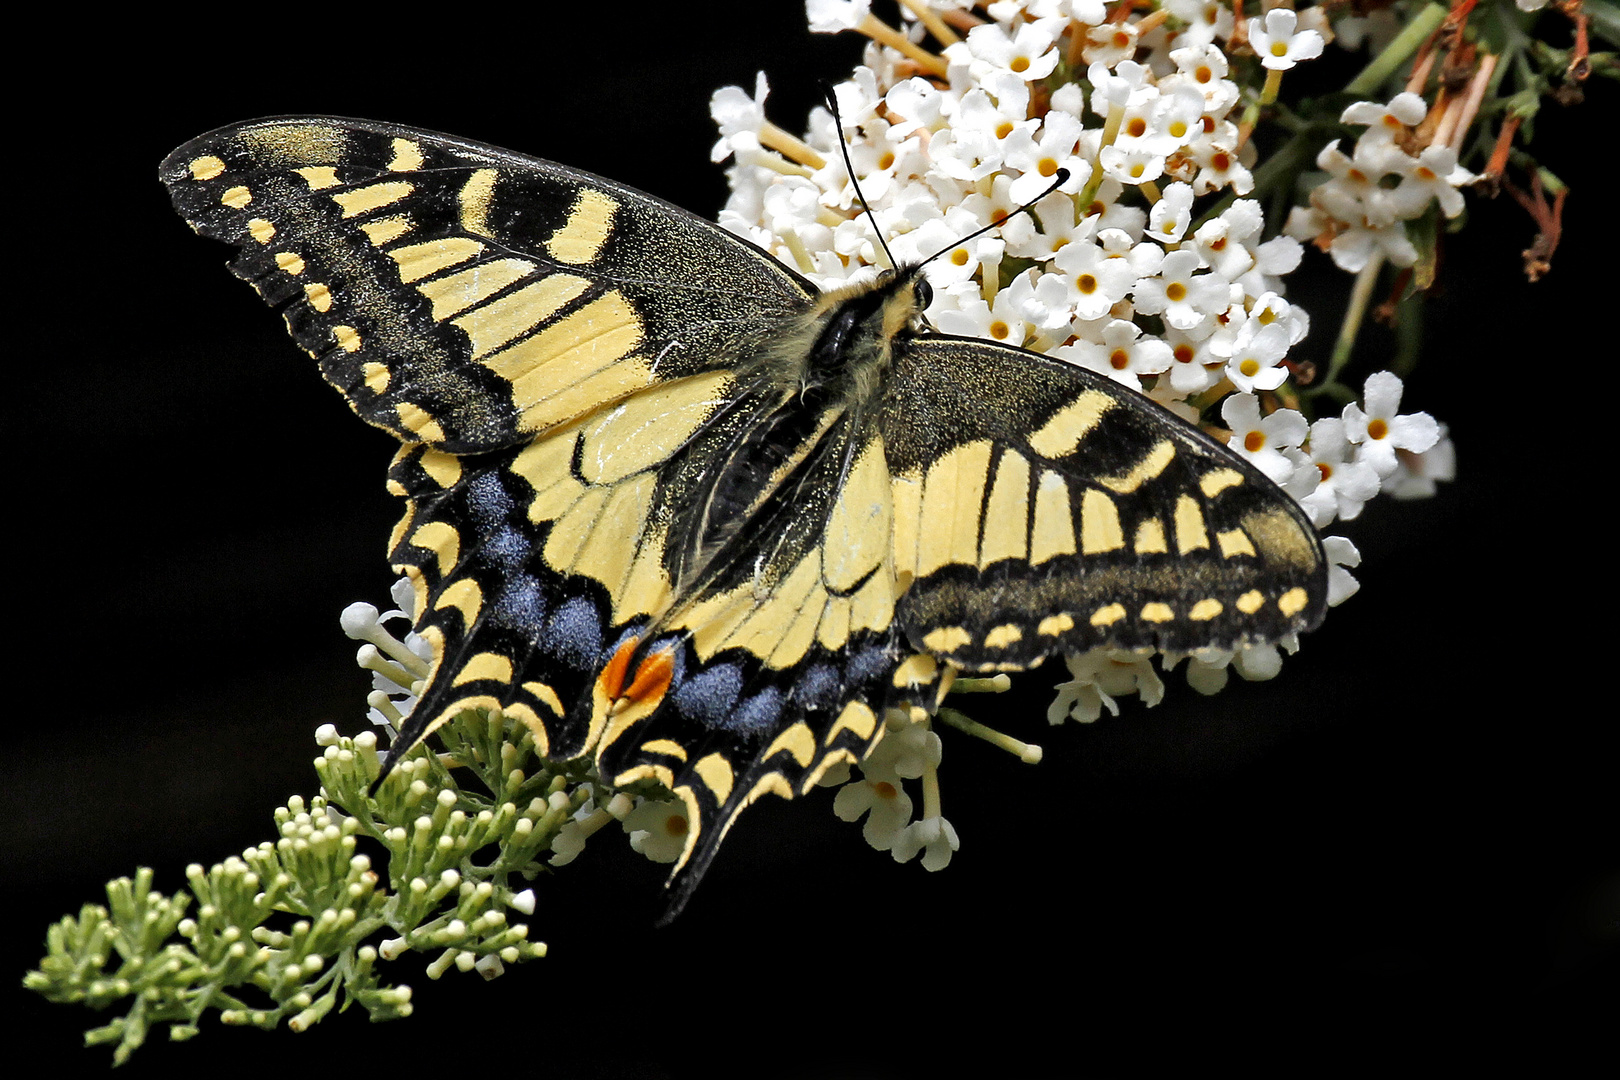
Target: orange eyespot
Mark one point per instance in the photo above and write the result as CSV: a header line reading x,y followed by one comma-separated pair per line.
x,y
1119,359
1254,442
1378,429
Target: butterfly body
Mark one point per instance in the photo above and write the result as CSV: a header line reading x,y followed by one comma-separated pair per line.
x,y
671,506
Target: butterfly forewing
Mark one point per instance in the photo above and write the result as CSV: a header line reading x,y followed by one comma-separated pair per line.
x,y
466,296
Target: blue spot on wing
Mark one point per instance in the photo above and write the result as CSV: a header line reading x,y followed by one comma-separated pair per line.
x,y
507,548
868,664
521,603
820,687
574,633
758,715
488,502
708,697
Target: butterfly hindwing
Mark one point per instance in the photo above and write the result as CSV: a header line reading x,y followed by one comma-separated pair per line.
x,y
1042,508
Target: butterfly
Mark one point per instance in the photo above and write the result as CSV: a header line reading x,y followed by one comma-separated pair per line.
x,y
669,505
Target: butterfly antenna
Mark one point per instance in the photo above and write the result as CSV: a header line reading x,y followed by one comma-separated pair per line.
x,y
849,169
1058,180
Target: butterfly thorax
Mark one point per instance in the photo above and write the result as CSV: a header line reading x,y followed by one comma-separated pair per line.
x,y
816,389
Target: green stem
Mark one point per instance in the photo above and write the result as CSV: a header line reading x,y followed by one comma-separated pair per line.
x,y
1366,281
1397,52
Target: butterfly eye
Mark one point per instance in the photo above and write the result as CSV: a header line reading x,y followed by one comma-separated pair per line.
x,y
924,292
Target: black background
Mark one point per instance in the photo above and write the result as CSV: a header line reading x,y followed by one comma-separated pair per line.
x,y
1407,840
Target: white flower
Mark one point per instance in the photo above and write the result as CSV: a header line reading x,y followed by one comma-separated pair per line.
x,y
1127,85
1028,53
1204,68
1196,368
1039,157
1341,553
1123,354
1219,166
1346,484
1165,124
1136,165
997,321
907,751
1263,439
884,802
1257,663
1180,294
1418,473
1436,175
835,16
1379,431
1110,44
915,104
1089,12
1206,670
1205,21
1276,43
735,113
934,836
1256,356
1099,676
658,830
1046,301
957,259
1100,280
1171,215
1385,123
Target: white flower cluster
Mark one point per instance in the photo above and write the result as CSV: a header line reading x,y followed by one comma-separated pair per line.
x,y
909,751
1143,128
1356,214
1122,266
1332,467
396,665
